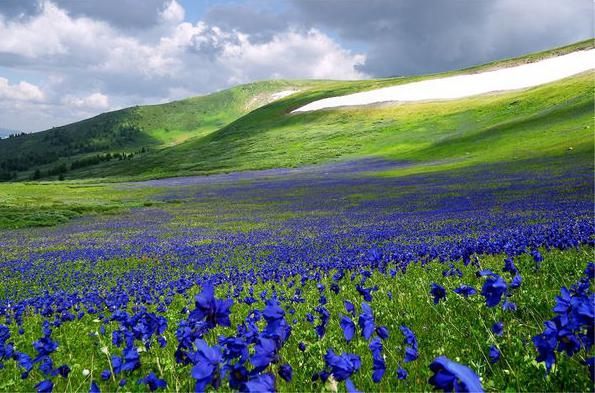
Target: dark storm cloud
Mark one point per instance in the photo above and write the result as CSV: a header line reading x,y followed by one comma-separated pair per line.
x,y
413,37
120,13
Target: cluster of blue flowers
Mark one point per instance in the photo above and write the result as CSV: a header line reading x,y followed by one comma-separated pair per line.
x,y
573,327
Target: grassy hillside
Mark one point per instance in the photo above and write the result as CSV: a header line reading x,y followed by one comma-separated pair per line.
x,y
237,129
134,131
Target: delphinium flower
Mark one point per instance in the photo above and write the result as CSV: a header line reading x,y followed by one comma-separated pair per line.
x,y
402,374
348,327
449,376
366,321
494,354
286,372
493,288
349,307
6,349
343,366
438,292
212,310
573,327
324,315
205,368
261,383
498,328
410,340
45,386
465,291
152,381
382,332
378,363
94,388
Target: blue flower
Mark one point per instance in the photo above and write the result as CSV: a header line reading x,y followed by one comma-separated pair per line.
x,y
382,332
152,382
350,387
546,343
494,354
493,289
342,366
366,321
264,353
130,361
286,372
378,363
213,311
498,328
402,373
45,386
94,388
261,383
349,307
411,344
348,327
301,346
465,291
206,361
438,292
449,376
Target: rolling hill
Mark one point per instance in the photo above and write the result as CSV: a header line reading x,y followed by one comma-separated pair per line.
x,y
246,128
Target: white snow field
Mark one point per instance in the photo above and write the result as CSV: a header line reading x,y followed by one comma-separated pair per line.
x,y
512,78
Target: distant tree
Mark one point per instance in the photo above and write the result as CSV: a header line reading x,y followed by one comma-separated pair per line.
x,y
61,177
37,174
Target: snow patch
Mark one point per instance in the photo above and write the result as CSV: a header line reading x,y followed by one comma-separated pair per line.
x,y
284,93
512,78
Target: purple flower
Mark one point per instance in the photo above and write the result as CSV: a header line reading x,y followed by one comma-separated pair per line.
x,y
449,376
349,307
438,292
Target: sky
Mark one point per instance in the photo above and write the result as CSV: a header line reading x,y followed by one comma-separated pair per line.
x,y
66,60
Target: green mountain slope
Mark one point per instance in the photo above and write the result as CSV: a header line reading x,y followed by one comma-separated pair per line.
x,y
134,130
227,132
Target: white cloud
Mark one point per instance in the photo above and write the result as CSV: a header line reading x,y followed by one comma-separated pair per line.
x,y
22,91
83,60
92,101
173,13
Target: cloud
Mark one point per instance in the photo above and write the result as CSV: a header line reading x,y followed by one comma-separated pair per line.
x,y
81,56
22,91
146,51
414,37
91,101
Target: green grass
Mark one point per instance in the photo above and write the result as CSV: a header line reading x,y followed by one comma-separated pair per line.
x,y
45,204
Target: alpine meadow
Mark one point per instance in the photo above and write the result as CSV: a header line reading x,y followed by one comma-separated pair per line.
x,y
432,231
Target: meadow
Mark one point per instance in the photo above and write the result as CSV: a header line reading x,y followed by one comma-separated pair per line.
x,y
331,277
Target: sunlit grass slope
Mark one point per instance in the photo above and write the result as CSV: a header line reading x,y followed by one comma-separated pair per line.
x,y
238,129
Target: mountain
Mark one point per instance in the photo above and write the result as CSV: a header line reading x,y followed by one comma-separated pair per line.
x,y
251,127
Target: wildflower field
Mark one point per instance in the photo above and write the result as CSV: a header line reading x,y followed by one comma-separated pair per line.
x,y
324,278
